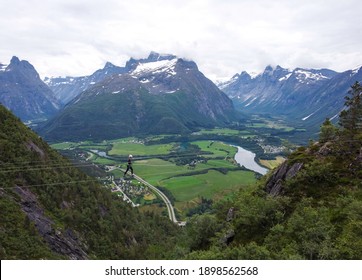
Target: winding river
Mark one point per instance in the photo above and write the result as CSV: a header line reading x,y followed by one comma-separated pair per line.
x,y
247,158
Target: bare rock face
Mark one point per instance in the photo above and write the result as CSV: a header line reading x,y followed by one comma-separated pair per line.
x,y
274,185
230,214
31,146
228,237
325,150
62,242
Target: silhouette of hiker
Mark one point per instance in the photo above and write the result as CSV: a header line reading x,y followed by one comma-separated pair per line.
x,y
129,165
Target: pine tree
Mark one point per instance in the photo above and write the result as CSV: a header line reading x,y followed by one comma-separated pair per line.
x,y
350,120
351,117
328,131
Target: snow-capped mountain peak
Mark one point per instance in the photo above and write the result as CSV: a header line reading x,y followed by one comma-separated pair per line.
x,y
305,96
156,67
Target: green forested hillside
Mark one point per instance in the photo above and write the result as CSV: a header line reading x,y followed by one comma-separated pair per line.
x,y
308,208
49,209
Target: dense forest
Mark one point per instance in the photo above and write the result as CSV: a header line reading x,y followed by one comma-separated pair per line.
x,y
308,208
51,210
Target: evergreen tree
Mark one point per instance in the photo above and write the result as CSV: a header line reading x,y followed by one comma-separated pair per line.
x,y
328,131
351,123
351,117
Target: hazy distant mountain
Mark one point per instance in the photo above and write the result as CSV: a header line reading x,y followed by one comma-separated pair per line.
x,y
24,93
304,95
66,88
159,94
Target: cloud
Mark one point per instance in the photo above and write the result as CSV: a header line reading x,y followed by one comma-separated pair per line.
x,y
63,37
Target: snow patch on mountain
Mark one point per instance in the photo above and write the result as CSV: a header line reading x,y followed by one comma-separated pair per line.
x,y
335,116
305,75
307,117
355,71
3,67
156,67
286,77
225,83
253,75
144,81
251,102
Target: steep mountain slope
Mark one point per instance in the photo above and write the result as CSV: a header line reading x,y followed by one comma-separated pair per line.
x,y
328,101
310,207
23,92
51,210
304,96
67,88
160,94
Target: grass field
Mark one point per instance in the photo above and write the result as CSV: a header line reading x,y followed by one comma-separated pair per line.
x,y
218,149
275,124
64,145
139,149
210,185
155,170
219,131
104,161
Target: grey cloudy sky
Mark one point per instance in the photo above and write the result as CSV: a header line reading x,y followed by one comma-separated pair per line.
x,y
224,37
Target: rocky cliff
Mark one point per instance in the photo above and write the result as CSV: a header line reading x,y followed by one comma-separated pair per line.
x,y
24,93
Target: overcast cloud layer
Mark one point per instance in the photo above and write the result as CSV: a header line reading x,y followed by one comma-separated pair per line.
x,y
224,37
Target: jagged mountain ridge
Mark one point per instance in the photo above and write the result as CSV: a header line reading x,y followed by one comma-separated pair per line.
x,y
23,92
67,88
160,94
306,96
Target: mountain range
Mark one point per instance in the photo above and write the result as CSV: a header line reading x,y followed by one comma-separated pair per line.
x,y
302,96
308,208
67,88
23,92
160,94
168,94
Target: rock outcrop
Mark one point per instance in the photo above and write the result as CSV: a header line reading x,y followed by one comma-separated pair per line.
x,y
274,186
63,242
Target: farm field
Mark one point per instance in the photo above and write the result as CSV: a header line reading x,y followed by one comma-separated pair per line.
x,y
187,188
216,148
139,149
189,171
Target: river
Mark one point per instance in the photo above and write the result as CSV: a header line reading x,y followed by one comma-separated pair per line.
x,y
247,158
101,154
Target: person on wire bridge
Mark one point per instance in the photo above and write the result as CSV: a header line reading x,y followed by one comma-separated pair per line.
x,y
129,166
